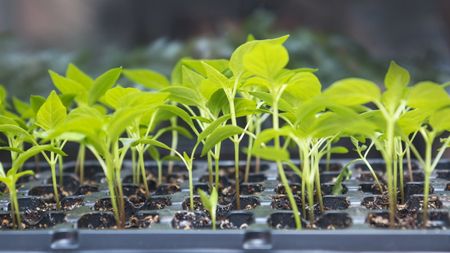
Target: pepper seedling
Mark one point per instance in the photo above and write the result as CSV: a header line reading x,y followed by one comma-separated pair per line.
x,y
210,204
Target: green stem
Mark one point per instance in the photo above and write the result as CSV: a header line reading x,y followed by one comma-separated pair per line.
x,y
427,169
54,183
174,144
15,210
389,170
210,170
80,161
143,172
61,170
134,165
191,189
217,167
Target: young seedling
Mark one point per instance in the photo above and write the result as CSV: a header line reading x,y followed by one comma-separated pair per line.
x,y
210,204
10,177
391,105
86,91
430,118
49,117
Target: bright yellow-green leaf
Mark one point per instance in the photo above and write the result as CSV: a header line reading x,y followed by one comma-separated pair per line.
x,y
52,113
147,78
271,153
79,76
352,91
220,134
396,76
266,60
428,96
237,57
104,82
68,86
114,97
440,120
304,86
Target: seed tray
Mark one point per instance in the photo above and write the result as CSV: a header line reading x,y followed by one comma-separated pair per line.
x,y
262,225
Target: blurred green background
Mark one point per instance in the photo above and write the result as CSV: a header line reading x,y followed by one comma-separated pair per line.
x,y
340,38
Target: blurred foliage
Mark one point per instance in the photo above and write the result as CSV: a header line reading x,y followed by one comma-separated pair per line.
x,y
24,72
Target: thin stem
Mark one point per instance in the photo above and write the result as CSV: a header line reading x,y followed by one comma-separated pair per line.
x,y
141,165
210,169
174,144
216,162
134,165
15,210
191,189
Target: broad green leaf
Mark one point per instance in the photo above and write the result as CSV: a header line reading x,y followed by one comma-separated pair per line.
x,y
213,126
271,153
76,74
36,102
270,133
14,130
183,95
266,60
191,78
411,121
180,113
352,91
23,108
69,86
52,113
218,102
237,57
428,96
304,86
220,134
267,98
220,65
121,119
396,76
147,78
115,97
31,152
216,78
440,120
104,82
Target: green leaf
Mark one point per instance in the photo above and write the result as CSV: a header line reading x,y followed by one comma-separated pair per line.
x,y
266,60
411,121
11,149
154,153
352,91
23,173
102,84
23,108
218,135
79,76
440,120
147,78
52,113
268,134
343,175
270,153
428,96
69,86
213,126
36,102
14,130
31,152
121,119
116,97
183,95
237,57
180,113
396,76
152,142
215,79
304,86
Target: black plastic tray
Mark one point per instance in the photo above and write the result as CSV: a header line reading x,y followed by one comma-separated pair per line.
x,y
259,236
